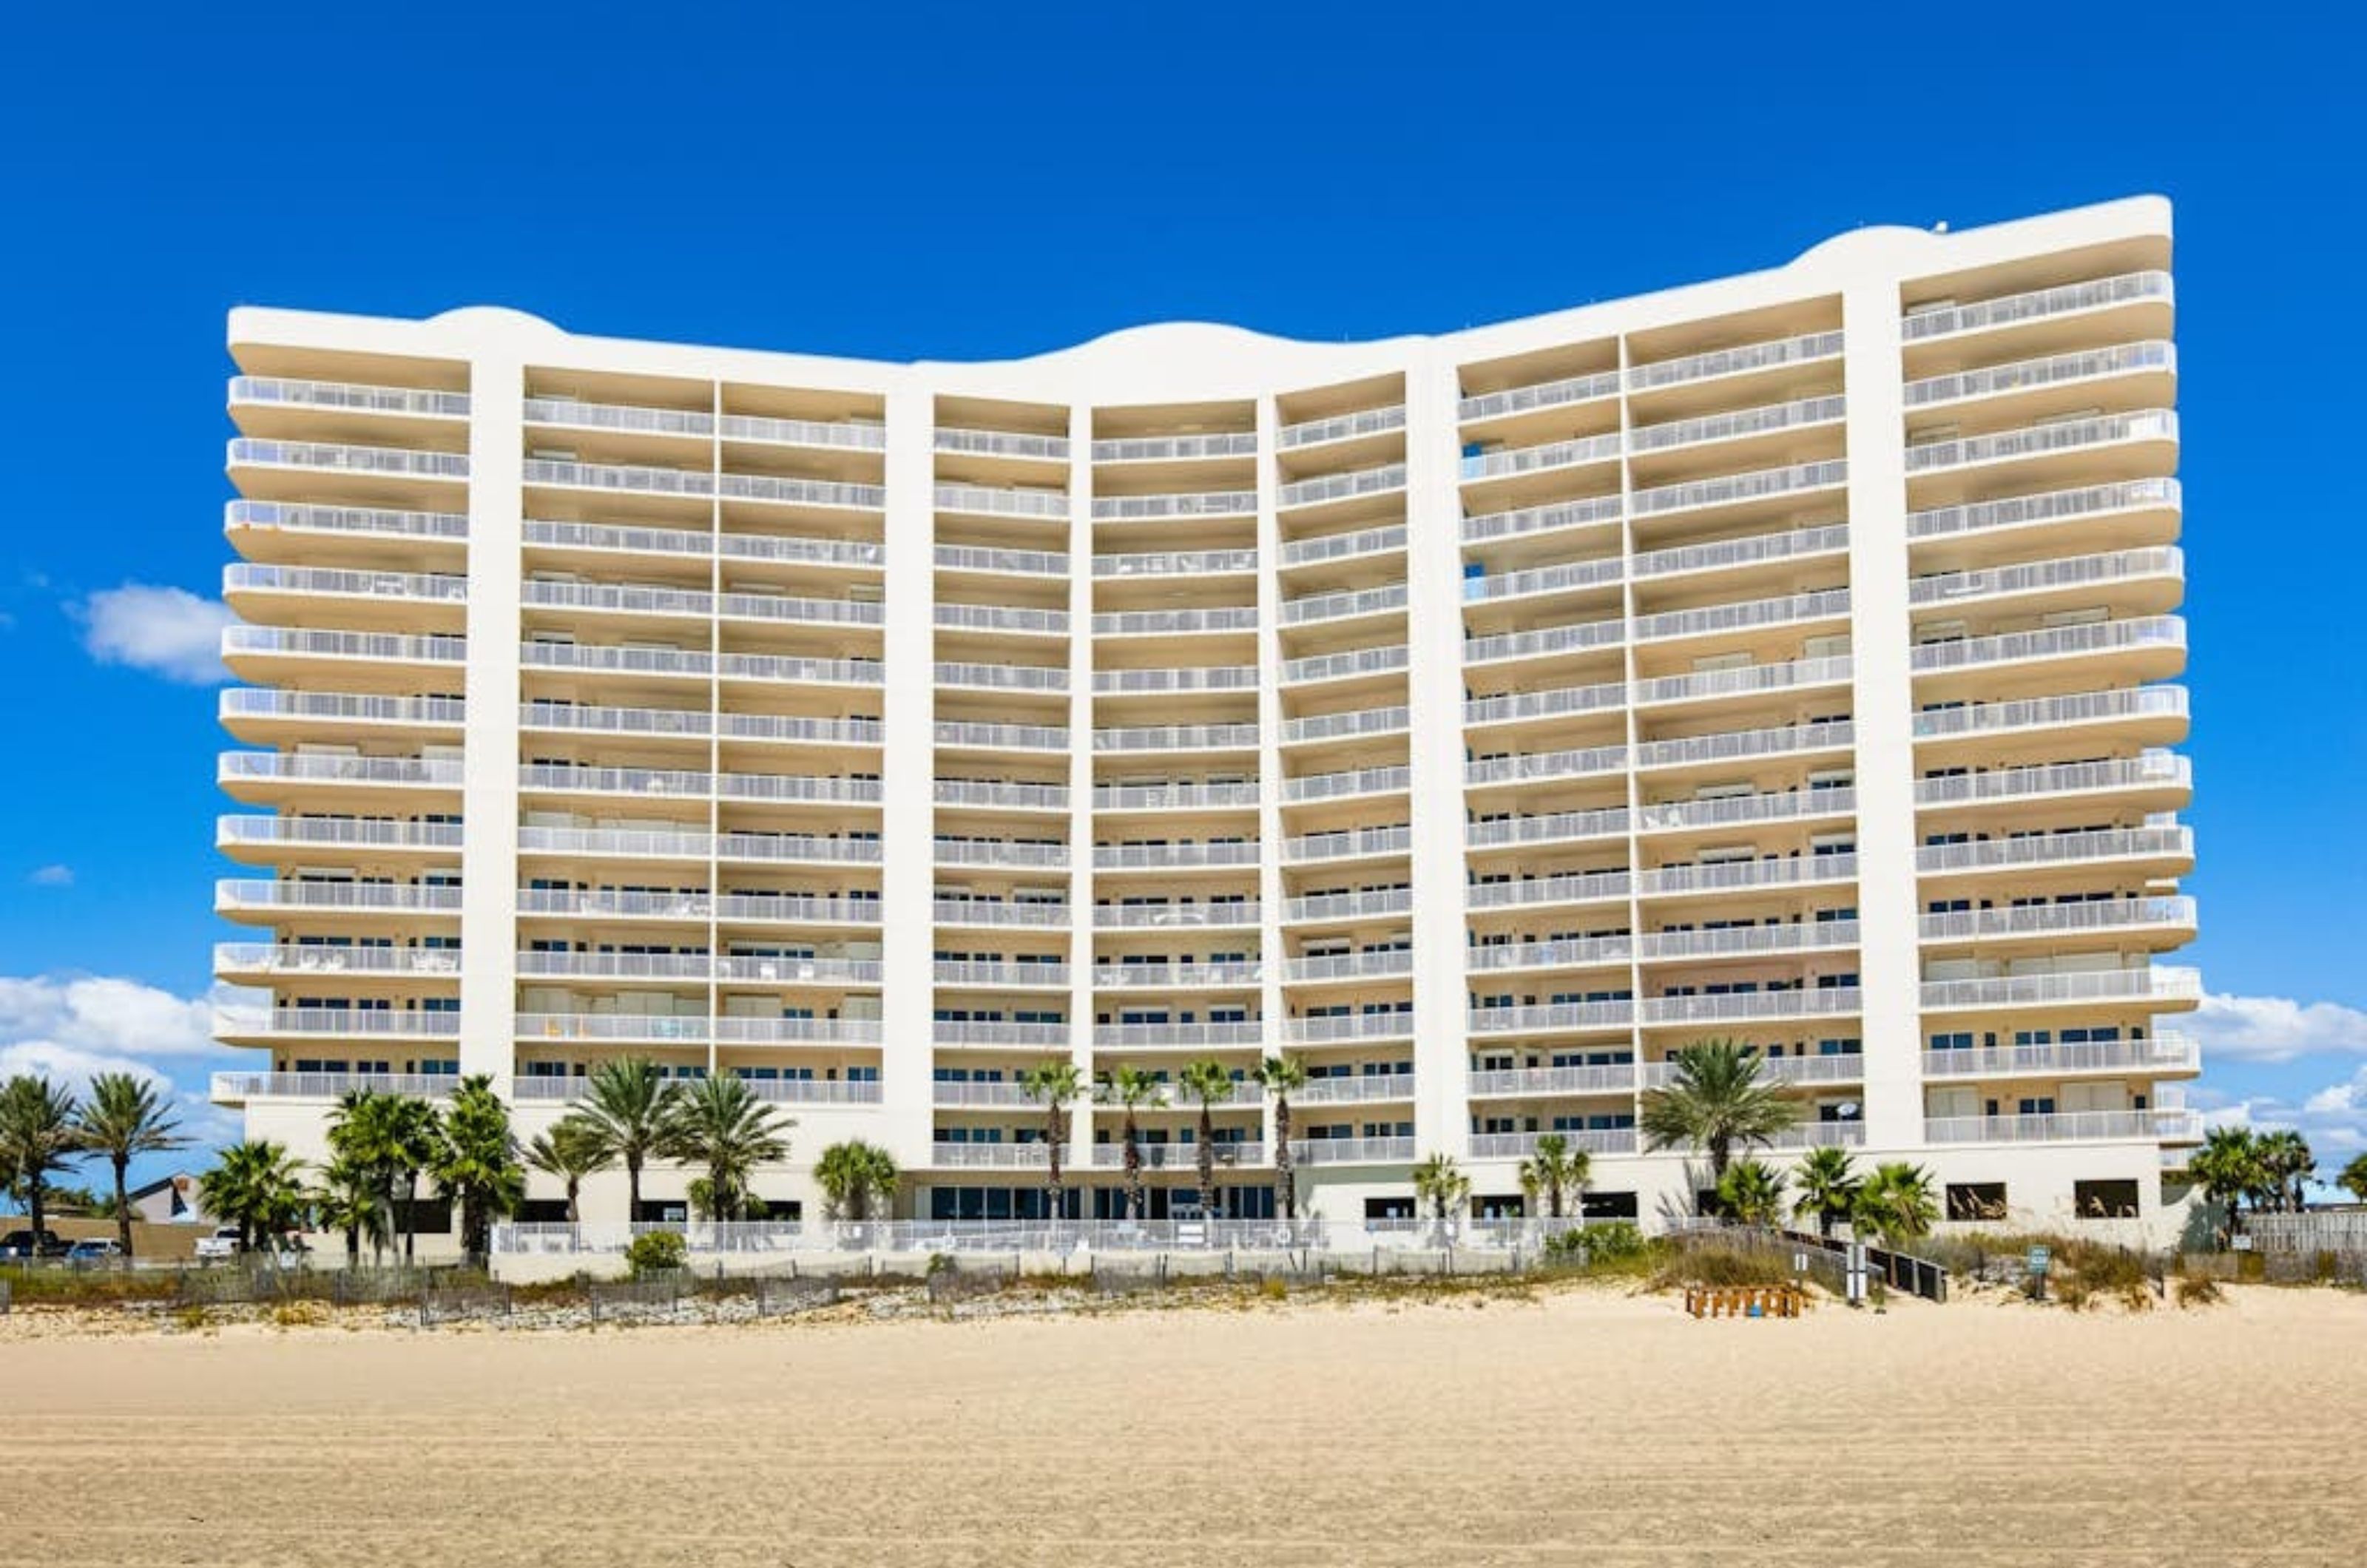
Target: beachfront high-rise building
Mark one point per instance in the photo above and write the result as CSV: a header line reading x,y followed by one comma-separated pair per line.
x,y
1479,717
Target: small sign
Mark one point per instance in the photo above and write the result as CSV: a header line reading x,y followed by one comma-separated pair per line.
x,y
2039,1258
2240,1242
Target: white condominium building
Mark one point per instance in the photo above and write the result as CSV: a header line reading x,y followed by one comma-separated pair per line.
x,y
1481,717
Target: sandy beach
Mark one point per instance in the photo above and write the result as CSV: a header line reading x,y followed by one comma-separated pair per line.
x,y
1583,1425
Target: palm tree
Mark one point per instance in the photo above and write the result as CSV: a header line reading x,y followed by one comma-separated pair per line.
x,y
1896,1203
1752,1193
1208,1081
2354,1178
254,1186
39,1135
850,1173
351,1199
1555,1168
475,1162
1437,1181
124,1119
1131,1089
1828,1187
2227,1167
1283,1076
1055,1083
625,1105
393,1136
1716,1102
2286,1162
571,1151
718,1122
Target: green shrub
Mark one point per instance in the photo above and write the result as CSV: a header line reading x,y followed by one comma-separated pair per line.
x,y
1724,1266
659,1252
2198,1290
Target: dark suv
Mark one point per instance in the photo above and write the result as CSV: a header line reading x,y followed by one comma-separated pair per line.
x,y
26,1244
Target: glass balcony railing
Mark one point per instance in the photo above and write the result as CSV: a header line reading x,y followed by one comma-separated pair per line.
x,y
1735,489
2054,642
1562,952
1342,487
2054,370
996,794
1151,508
1545,642
1176,448
2039,713
2049,576
2172,843
1556,827
2116,914
1556,394
1177,563
1341,427
2040,440
394,462
2158,987
1588,512
2052,506
345,397
1571,887
1003,444
2146,771
1806,349
355,521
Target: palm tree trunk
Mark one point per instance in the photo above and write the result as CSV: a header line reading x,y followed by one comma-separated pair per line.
x,y
122,1205
1052,1162
1133,1169
1208,1163
36,1209
353,1247
1283,1169
632,1193
574,1214
410,1218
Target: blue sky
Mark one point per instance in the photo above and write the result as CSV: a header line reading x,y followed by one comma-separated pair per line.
x,y
984,181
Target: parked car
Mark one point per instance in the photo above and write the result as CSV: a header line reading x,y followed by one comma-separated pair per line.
x,y
26,1243
94,1250
218,1247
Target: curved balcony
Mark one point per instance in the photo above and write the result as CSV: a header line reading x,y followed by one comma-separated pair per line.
x,y
2160,565
2155,358
1546,642
1521,1146
999,914
296,1025
1739,489
1324,907
2168,1125
994,1031
1383,963
243,642
326,456
236,768
2037,304
1539,395
1737,424
1535,766
1737,876
1576,887
245,578
1550,1018
1178,1036
1616,1078
1362,723
999,795
1175,857
1352,1151
1567,577
2129,496
1763,1006
1355,843
2163,634
2158,987
1361,662
1177,917
1341,427
1560,703
2164,1053
337,832
960,734
998,500
1178,977
274,391
237,1088
1554,828
1357,546
1732,810
1002,563
1565,953
1176,448
270,962
2042,440
1749,942
2087,846
1001,444
234,898
1318,608
1757,549
1735,745
2164,704
1174,797
1360,1088
245,708
1160,508
1745,359
1338,1028
266,517
2147,771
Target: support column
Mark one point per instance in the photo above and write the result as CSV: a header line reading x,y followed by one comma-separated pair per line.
x,y
489,796
1883,703
907,788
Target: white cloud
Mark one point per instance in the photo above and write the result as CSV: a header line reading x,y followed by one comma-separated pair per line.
x,y
2276,1029
94,1016
53,877
166,631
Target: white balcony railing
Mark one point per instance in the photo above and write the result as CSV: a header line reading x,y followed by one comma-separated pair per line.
x,y
1557,826
2051,506
1176,448
1756,1007
1564,952
233,896
271,516
1805,349
1730,810
1723,876
1738,489
1739,942
1174,797
1569,888
345,397
2052,642
993,500
2174,1126
2035,713
393,462
1353,782
2039,440
1012,563
1002,444
2146,771
2048,575
1589,512
1334,1029
1342,487
1375,964
1177,977
2157,987
1756,550
231,1089
1341,427
1048,977
1352,1151
1358,1088
2162,843
2056,369
2168,1052
1612,1077
1219,913
1155,508
2036,304
1553,394
1176,563
1550,1018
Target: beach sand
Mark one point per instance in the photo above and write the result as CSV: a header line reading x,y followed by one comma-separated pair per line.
x,y
1578,1426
